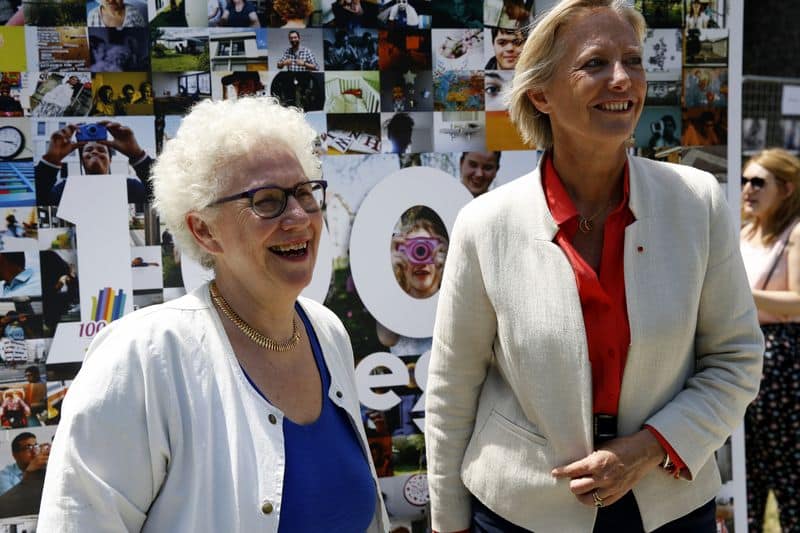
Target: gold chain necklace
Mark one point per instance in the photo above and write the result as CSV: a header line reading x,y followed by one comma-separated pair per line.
x,y
250,332
585,223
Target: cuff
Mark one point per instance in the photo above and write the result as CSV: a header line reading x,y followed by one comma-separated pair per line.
x,y
138,160
49,164
677,463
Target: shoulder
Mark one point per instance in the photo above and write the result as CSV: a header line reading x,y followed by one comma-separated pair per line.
x,y
319,315
680,181
504,201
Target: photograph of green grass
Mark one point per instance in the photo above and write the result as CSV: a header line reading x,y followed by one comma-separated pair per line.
x,y
179,49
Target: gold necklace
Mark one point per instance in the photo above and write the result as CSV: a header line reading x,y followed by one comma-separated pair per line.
x,y
585,223
250,332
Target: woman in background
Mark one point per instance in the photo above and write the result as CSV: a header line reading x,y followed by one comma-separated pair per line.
x,y
770,245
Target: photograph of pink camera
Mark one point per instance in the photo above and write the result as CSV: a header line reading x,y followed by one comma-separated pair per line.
x,y
419,250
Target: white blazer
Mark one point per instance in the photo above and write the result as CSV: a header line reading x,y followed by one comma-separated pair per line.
x,y
509,393
161,431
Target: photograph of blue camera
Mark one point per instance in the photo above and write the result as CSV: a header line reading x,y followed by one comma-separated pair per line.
x,y
91,132
419,250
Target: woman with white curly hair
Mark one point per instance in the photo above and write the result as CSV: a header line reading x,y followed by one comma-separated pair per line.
x,y
233,408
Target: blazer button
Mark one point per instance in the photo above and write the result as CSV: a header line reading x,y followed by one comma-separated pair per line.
x,y
338,394
272,419
266,507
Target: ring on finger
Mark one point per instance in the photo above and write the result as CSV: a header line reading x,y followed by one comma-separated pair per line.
x,y
598,501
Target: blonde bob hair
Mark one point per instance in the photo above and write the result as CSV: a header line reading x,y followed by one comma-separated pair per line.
x,y
195,166
786,169
540,58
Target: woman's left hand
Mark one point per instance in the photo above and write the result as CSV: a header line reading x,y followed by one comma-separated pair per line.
x,y
613,469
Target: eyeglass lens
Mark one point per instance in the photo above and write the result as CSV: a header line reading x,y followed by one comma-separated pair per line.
x,y
271,202
756,183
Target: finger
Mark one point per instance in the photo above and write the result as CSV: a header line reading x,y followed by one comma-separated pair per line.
x,y
577,469
583,485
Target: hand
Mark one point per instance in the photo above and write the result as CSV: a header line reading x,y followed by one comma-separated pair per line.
x,y
61,144
124,140
399,259
40,461
613,469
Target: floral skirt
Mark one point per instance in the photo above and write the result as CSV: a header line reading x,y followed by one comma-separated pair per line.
x,y
772,431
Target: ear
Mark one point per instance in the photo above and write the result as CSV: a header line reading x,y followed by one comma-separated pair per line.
x,y
789,187
203,233
539,100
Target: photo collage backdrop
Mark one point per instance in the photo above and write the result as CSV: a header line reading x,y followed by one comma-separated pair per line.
x,y
406,97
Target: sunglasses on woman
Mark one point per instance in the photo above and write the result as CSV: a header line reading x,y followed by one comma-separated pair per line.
x,y
756,183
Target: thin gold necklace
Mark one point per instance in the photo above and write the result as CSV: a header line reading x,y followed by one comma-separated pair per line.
x,y
585,223
250,332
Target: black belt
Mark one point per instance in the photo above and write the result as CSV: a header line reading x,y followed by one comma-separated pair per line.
x,y
604,428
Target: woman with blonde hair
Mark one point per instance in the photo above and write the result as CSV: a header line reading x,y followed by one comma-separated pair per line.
x,y
770,245
595,338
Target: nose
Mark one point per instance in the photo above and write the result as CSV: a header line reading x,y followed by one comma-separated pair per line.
x,y
294,216
620,78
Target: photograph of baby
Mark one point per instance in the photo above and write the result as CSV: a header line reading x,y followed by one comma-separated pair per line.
x,y
113,50
418,251
352,92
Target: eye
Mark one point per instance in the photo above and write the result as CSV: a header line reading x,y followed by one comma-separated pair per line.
x,y
634,60
492,90
594,63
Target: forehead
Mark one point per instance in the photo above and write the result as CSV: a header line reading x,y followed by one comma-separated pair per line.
x,y
274,164
26,442
505,34
754,169
93,146
480,158
601,27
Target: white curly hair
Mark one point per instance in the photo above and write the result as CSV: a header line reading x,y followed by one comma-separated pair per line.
x,y
195,166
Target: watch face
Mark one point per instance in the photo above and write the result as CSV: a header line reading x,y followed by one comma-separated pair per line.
x,y
11,142
415,490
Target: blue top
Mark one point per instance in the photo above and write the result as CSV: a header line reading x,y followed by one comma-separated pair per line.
x,y
10,476
327,483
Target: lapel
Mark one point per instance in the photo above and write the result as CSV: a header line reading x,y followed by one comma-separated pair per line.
x,y
641,267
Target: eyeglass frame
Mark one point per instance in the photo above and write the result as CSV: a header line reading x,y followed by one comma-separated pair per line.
x,y
757,186
287,192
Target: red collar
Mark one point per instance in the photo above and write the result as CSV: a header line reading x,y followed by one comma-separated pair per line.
x,y
558,201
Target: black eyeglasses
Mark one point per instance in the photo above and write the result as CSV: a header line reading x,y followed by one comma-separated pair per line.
x,y
755,183
270,201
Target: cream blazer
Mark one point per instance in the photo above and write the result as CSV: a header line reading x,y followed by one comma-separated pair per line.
x,y
509,393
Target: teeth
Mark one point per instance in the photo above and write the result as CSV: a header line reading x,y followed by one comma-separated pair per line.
x,y
615,106
290,247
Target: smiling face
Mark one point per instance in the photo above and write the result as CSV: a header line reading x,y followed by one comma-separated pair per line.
x,y
597,92
96,158
294,39
478,170
277,253
507,48
422,280
761,203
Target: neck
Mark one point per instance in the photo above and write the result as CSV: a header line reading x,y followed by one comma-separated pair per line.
x,y
592,180
115,10
270,313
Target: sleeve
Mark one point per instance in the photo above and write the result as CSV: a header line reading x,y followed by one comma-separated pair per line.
x,y
729,348
464,332
312,59
7,481
142,168
110,454
45,176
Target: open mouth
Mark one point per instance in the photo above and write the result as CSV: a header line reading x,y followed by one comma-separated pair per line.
x,y
298,249
421,272
615,107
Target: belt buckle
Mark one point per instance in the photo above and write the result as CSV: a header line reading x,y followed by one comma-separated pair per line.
x,y
605,427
